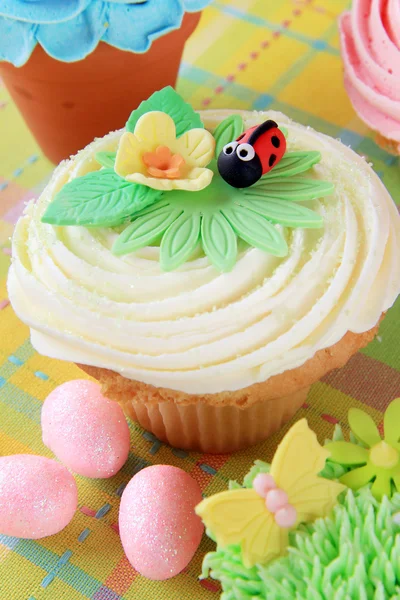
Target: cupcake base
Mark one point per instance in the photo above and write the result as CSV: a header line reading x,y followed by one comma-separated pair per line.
x,y
67,105
213,429
228,421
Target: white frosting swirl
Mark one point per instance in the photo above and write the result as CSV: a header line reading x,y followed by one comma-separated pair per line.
x,y
197,330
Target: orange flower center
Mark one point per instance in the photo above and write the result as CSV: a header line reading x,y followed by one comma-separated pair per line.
x,y
163,164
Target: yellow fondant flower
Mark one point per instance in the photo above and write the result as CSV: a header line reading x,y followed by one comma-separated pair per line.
x,y
155,157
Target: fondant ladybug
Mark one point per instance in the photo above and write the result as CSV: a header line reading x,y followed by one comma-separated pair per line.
x,y
255,152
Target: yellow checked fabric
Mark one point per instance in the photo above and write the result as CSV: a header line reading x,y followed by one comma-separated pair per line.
x,y
250,54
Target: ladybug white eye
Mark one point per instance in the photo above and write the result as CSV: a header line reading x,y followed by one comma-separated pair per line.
x,y
245,152
230,148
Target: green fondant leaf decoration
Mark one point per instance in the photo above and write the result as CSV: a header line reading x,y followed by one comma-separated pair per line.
x,y
284,130
98,199
284,212
346,453
396,482
180,241
295,189
145,230
227,131
357,478
178,220
256,231
382,485
364,427
391,422
219,241
106,159
293,163
169,101
162,203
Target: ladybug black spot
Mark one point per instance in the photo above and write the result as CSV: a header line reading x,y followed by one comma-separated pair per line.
x,y
272,160
276,142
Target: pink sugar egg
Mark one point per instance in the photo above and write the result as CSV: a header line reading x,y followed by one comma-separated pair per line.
x,y
86,431
38,496
159,529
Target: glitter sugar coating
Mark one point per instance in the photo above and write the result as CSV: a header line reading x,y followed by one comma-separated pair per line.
x,y
85,430
159,529
38,496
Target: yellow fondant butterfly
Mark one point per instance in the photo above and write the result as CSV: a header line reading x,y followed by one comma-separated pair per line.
x,y
241,516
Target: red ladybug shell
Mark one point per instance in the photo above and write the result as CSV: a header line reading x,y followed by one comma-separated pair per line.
x,y
268,142
244,137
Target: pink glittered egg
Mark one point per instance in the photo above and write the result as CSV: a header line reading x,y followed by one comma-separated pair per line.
x,y
85,430
159,529
38,496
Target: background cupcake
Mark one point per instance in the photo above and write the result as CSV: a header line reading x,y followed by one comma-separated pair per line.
x,y
75,68
370,41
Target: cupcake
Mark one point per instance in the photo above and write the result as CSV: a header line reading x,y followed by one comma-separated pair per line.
x,y
370,42
342,545
76,68
207,268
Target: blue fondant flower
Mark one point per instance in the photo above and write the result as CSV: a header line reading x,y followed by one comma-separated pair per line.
x,y
42,11
69,30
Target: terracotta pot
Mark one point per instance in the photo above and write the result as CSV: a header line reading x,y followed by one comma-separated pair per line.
x,y
67,105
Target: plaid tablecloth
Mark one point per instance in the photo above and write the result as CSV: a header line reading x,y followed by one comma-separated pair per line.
x,y
252,54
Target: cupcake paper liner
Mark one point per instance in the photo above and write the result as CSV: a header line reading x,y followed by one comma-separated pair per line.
x,y
215,429
229,421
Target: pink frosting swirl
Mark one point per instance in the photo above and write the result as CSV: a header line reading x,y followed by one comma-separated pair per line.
x,y
370,40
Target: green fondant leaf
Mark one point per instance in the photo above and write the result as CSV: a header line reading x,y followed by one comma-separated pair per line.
x,y
295,189
227,131
219,241
391,425
293,163
346,453
382,485
98,199
256,230
363,426
145,229
358,477
396,483
284,212
106,159
168,101
152,208
179,241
